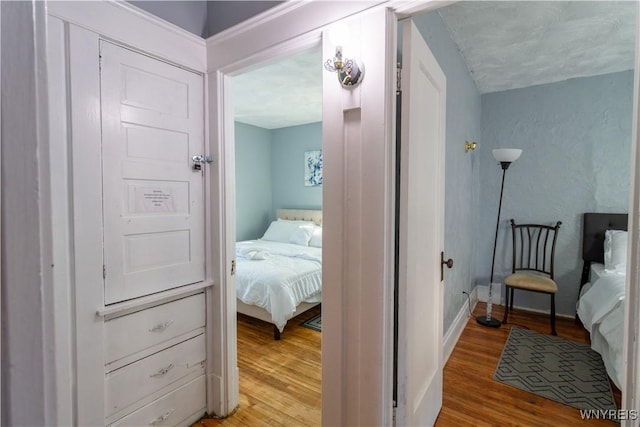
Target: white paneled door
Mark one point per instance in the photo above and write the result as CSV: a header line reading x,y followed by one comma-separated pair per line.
x,y
152,126
420,313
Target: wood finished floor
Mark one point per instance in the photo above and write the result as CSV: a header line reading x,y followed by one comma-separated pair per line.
x,y
280,380
472,398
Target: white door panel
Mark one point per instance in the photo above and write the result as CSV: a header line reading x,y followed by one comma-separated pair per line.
x,y
421,233
152,118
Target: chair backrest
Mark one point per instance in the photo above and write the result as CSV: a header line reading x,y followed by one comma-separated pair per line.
x,y
534,247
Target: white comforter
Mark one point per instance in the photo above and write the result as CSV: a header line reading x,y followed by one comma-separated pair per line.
x,y
277,276
601,309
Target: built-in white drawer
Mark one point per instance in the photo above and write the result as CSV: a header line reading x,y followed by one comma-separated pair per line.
x,y
128,385
134,332
180,407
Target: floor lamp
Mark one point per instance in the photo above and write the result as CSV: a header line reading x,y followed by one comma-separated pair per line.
x,y
505,156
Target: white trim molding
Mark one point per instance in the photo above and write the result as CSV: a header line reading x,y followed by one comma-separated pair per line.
x,y
28,368
291,20
454,332
122,22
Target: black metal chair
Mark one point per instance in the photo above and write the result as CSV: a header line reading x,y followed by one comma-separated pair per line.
x,y
534,249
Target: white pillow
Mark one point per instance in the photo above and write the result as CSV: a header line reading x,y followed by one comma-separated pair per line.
x,y
316,237
301,235
615,251
280,231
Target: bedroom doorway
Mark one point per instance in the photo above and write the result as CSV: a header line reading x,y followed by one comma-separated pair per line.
x,y
613,81
278,233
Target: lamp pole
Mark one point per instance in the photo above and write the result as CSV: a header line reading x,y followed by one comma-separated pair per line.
x,y
487,320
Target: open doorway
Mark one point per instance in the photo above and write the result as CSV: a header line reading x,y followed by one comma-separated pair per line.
x,y
575,131
278,233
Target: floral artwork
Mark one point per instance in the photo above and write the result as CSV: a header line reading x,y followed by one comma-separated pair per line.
x,y
312,168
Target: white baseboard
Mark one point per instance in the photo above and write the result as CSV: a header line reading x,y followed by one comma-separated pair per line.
x,y
455,330
535,310
452,335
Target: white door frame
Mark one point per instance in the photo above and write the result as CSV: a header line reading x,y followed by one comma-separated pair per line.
x,y
286,29
631,379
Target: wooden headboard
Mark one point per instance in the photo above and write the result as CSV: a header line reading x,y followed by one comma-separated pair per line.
x,y
593,227
301,214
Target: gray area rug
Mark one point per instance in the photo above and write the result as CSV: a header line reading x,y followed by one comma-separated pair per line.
x,y
555,368
314,323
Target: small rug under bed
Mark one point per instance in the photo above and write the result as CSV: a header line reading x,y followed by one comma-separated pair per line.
x,y
314,323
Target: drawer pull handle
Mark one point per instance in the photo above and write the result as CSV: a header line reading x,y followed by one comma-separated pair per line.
x,y
161,418
162,372
161,326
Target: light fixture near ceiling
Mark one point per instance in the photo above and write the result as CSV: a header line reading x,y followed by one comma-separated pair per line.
x,y
350,73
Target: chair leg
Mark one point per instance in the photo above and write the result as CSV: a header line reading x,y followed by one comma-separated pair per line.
x,y
553,314
511,299
506,305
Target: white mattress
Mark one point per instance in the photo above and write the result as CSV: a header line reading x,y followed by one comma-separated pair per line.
x,y
601,310
278,276
595,272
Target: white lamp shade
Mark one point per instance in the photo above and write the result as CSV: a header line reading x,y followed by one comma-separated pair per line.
x,y
507,154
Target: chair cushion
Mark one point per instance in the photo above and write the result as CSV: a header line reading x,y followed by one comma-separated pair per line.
x,y
532,282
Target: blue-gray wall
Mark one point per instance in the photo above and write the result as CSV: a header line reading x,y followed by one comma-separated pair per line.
x,y
462,169
190,15
576,141
253,181
270,174
287,165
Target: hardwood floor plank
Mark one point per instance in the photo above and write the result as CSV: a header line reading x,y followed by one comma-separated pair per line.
x,y
280,381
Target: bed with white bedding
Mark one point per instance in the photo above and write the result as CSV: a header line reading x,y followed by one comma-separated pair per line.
x,y
602,293
280,275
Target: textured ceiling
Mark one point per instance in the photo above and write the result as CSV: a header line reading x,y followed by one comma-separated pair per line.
x,y
514,44
506,45
280,94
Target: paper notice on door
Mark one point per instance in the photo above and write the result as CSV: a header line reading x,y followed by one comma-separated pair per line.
x,y
154,199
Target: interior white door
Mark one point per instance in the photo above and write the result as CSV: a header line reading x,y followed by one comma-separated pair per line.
x,y
421,239
153,201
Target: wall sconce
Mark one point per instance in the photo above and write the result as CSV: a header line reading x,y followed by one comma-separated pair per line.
x,y
470,146
350,74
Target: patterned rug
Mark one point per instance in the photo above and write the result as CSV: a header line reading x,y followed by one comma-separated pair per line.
x,y
555,368
314,323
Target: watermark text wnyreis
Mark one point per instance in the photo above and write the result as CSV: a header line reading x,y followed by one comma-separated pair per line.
x,y
611,414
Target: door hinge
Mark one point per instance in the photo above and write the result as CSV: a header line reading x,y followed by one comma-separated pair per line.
x,y
399,78
233,267
104,271
100,62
